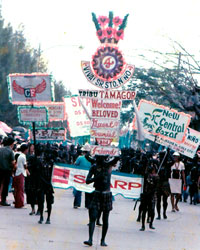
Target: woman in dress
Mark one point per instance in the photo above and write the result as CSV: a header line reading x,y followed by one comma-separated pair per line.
x,y
177,173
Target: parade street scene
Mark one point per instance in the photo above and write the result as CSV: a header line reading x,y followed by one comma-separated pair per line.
x,y
99,125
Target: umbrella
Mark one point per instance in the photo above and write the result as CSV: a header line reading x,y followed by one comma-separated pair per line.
x,y
5,127
20,129
2,132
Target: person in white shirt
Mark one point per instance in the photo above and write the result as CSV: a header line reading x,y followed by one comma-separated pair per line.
x,y
18,180
177,173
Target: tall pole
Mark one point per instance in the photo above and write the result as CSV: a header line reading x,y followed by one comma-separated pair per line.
x,y
34,138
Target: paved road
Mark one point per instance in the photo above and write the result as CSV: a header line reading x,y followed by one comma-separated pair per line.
x,y
19,231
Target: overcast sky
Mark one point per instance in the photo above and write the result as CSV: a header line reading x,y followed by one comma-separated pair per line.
x,y
62,26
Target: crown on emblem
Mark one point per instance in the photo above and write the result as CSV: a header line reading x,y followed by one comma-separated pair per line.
x,y
110,29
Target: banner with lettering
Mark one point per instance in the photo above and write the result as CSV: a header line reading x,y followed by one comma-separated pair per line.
x,y
27,89
67,176
29,114
105,118
56,111
187,148
79,122
108,94
49,134
161,121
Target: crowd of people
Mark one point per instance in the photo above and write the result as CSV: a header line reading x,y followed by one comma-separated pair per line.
x,y
27,169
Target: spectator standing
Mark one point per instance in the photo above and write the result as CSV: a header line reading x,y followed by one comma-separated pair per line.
x,y
31,180
21,173
7,163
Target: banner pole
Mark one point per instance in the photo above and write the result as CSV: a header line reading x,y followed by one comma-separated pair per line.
x,y
34,138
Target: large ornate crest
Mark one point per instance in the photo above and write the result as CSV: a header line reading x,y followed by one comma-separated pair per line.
x,y
108,69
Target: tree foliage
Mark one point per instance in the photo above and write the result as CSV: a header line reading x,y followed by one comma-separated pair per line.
x,y
17,56
170,82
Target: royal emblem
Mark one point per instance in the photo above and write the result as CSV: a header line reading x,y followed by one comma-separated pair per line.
x,y
108,68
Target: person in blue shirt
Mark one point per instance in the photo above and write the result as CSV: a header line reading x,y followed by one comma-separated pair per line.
x,y
82,162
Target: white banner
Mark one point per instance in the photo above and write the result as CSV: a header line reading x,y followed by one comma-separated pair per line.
x,y
79,123
30,88
160,120
28,114
49,134
67,176
187,148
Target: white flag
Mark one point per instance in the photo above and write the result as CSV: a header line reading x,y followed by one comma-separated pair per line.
x,y
140,131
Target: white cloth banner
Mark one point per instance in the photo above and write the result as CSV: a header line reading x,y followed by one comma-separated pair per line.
x,y
79,122
67,176
30,88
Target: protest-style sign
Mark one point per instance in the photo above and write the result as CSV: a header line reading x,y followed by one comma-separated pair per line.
x,y
187,148
25,89
79,123
67,176
49,134
56,110
29,114
108,94
160,120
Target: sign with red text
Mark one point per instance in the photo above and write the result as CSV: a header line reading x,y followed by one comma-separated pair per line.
x,y
108,94
187,148
56,111
29,114
104,124
25,89
104,150
66,176
79,122
108,110
163,122
49,134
